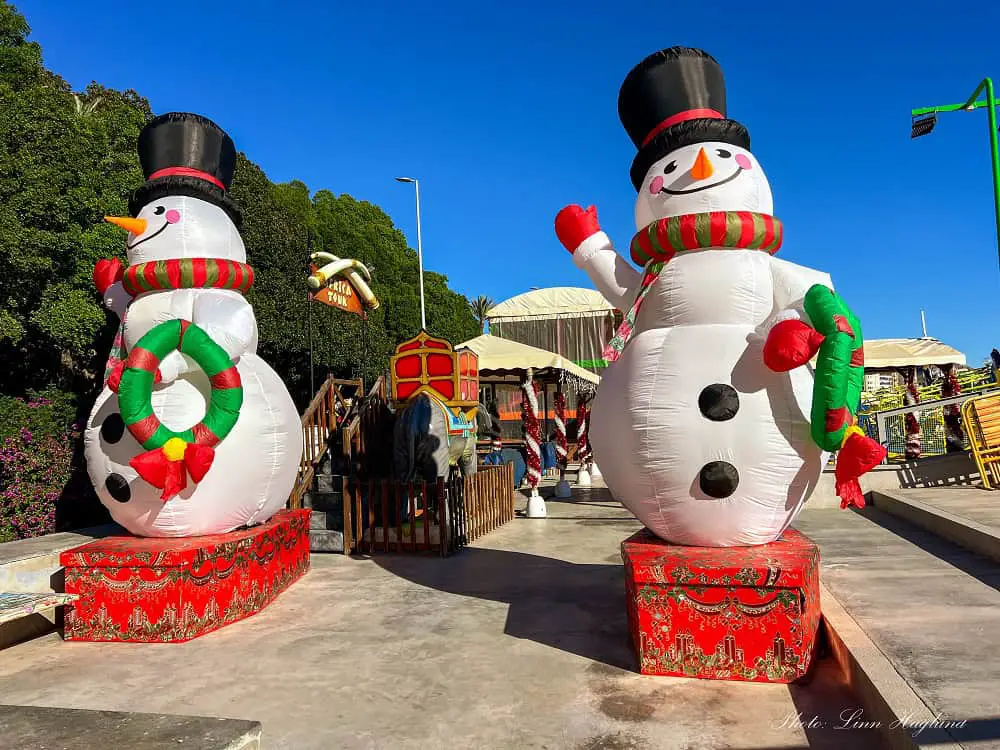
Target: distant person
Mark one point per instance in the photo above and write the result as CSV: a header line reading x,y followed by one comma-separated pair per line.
x,y
995,358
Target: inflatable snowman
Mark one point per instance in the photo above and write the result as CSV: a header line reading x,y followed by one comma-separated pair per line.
x,y
194,433
706,424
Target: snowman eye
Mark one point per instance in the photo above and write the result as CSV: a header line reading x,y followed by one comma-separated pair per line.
x,y
723,153
159,210
670,167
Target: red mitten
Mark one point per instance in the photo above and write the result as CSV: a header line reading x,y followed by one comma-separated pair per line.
x,y
106,273
790,344
574,225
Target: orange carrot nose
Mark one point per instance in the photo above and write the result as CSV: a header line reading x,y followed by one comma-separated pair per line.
x,y
702,168
135,226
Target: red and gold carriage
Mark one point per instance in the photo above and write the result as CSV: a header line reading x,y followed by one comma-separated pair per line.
x,y
426,364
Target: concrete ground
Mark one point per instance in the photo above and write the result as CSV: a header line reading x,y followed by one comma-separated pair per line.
x,y
932,607
972,502
517,642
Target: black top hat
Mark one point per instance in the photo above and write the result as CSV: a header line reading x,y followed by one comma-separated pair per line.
x,y
673,98
186,154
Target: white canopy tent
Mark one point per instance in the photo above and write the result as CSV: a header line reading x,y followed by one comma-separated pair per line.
x,y
891,353
503,357
540,304
571,321
503,365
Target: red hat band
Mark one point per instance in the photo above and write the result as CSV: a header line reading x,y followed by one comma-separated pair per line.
x,y
691,114
187,172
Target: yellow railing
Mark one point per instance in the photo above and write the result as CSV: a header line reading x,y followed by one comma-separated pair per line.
x,y
981,419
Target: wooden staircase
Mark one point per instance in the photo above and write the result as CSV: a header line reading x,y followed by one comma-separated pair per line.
x,y
335,430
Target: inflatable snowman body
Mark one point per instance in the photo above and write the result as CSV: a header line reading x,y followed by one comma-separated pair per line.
x,y
187,262
693,433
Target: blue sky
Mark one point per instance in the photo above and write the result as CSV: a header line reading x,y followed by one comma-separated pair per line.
x,y
506,111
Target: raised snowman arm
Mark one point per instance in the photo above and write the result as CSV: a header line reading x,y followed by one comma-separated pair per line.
x,y
614,277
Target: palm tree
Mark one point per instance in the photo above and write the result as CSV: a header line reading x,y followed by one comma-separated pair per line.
x,y
481,305
85,109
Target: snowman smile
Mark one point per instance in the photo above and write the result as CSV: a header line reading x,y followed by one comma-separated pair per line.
x,y
145,239
731,177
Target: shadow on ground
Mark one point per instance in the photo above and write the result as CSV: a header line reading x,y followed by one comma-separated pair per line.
x,y
577,608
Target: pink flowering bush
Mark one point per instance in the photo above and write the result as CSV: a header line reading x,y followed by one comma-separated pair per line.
x,y
35,467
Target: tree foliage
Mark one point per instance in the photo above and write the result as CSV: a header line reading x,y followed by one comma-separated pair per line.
x,y
69,158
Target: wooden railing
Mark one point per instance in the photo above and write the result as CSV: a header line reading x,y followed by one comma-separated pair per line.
x,y
487,498
329,408
364,442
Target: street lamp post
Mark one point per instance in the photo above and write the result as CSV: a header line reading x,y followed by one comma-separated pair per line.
x,y
420,251
928,119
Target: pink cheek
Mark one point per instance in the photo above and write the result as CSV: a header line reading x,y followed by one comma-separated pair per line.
x,y
656,185
173,216
743,161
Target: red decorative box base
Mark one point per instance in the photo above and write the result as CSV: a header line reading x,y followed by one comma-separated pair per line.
x,y
143,590
723,613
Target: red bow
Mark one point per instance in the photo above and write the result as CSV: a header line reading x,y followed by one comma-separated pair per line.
x,y
167,468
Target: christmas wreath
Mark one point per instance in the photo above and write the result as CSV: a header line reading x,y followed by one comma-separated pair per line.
x,y
172,455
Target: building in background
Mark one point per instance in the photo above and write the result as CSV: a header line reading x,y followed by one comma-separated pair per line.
x,y
573,322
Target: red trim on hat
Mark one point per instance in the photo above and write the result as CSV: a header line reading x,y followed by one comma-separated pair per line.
x,y
187,172
691,114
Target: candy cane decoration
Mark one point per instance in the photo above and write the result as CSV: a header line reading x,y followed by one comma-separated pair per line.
x,y
911,398
582,441
532,432
953,435
561,444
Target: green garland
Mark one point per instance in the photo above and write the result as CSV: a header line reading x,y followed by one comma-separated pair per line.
x,y
839,368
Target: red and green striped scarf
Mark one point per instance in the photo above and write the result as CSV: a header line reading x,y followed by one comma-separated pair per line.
x,y
654,246
187,273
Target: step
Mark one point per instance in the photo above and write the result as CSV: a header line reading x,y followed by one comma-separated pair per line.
x,y
31,566
326,540
325,501
328,483
968,516
327,519
930,607
78,729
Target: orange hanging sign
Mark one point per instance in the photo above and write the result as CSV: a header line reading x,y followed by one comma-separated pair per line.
x,y
339,294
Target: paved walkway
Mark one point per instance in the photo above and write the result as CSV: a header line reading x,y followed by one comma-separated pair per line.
x,y
975,503
518,642
932,608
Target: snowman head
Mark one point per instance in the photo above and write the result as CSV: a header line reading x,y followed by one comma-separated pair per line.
x,y
691,157
700,177
183,209
181,226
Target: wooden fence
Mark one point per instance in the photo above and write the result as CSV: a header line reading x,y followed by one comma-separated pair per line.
x,y
487,497
442,518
